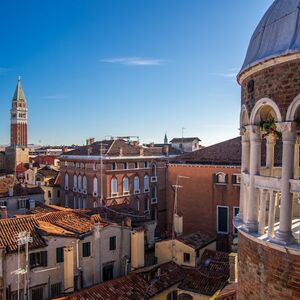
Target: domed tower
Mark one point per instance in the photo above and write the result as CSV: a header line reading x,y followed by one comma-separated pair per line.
x,y
268,220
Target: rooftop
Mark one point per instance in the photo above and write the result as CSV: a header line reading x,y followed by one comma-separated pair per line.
x,y
185,140
196,240
148,282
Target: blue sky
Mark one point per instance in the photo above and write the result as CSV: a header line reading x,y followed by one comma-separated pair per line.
x,y
92,68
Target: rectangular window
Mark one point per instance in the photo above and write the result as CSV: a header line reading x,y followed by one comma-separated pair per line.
x,y
236,179
86,249
146,164
38,259
222,219
186,257
235,213
172,296
112,243
58,193
60,254
56,289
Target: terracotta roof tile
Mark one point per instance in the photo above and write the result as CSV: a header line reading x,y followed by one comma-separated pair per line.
x,y
197,239
9,229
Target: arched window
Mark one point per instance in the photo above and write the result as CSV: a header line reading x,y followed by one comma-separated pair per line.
x,y
221,178
79,202
146,184
84,203
125,186
74,182
136,185
114,187
66,181
79,183
75,202
95,186
84,184
153,170
153,195
136,204
146,205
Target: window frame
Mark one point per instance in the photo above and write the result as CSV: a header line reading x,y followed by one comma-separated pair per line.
x,y
235,231
112,243
236,175
185,254
222,232
112,192
59,251
89,249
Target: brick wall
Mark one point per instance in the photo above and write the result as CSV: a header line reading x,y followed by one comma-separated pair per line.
x,y
281,83
199,196
266,273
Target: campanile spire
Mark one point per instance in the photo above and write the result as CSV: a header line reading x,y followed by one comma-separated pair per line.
x,y
18,117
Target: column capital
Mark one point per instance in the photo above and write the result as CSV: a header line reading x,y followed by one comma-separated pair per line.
x,y
254,132
288,131
271,138
244,132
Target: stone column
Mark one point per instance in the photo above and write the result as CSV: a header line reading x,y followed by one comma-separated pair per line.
x,y
296,158
255,164
284,234
270,146
245,161
272,211
262,211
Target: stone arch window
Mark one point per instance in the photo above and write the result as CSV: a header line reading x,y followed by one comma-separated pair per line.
x,y
125,185
75,182
84,184
79,183
66,181
146,205
136,203
146,184
153,170
154,195
95,186
136,184
114,187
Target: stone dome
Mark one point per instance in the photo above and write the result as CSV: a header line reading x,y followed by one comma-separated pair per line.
x,y
277,34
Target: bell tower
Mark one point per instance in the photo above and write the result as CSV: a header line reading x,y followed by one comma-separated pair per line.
x,y
18,118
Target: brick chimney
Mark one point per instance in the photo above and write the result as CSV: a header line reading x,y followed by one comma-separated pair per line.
x,y
127,222
141,151
11,191
3,212
233,267
65,149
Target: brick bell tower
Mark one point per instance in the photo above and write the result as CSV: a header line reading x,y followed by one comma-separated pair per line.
x,y
18,118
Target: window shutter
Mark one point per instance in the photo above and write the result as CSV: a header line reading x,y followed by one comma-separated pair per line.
x,y
18,204
214,178
27,204
233,178
31,259
44,262
226,178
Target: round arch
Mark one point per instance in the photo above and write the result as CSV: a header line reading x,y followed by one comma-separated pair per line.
x,y
244,116
292,110
264,102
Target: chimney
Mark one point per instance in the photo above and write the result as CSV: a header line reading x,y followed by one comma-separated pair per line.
x,y
11,191
137,249
166,150
128,222
233,267
89,150
65,149
141,151
136,143
121,151
3,212
178,224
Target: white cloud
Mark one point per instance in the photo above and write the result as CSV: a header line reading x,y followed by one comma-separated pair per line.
x,y
55,97
231,73
133,61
